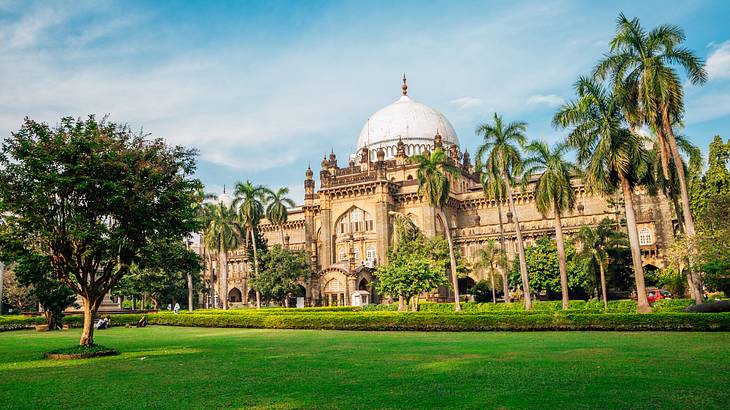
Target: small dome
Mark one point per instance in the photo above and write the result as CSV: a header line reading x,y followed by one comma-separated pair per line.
x,y
413,122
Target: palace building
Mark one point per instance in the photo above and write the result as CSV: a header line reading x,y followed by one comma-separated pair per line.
x,y
344,222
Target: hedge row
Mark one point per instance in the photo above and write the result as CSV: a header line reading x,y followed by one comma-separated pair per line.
x,y
15,322
455,322
553,306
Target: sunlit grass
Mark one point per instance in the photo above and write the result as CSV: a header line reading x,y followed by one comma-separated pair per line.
x,y
168,367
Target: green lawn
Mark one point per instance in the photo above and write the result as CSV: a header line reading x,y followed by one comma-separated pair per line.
x,y
169,367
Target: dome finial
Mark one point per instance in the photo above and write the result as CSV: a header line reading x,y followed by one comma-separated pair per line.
x,y
405,85
224,188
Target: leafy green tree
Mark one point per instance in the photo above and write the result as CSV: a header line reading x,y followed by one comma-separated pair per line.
x,y
716,180
223,234
53,295
277,208
596,245
494,188
500,151
713,243
543,264
282,272
88,195
553,192
250,200
491,258
610,154
434,184
642,67
17,296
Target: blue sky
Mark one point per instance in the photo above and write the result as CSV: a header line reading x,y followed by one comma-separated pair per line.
x,y
263,89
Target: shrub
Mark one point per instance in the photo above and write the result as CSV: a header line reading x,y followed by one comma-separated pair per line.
x,y
709,307
455,322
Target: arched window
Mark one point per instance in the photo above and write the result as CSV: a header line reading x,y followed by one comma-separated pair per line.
x,y
333,286
354,220
369,223
645,237
370,253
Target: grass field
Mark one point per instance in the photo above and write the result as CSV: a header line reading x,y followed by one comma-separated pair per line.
x,y
172,367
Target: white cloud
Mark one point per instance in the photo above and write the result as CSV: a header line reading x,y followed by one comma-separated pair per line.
x,y
466,102
718,62
551,100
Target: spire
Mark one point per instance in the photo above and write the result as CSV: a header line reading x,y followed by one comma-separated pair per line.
x,y
224,188
405,85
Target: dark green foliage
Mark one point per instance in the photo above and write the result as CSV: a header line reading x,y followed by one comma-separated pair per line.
x,y
710,307
53,295
81,352
544,273
482,291
162,273
280,272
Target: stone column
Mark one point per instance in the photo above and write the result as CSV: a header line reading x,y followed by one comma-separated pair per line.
x,y
382,231
325,259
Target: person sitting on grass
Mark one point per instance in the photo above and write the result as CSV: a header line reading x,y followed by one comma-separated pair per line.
x,y
142,322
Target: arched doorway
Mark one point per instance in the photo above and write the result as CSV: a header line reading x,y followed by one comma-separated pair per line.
x,y
235,296
334,293
251,296
465,284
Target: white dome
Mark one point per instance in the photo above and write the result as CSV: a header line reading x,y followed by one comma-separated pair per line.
x,y
225,199
415,123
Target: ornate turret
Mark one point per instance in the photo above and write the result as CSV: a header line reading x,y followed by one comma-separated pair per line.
x,y
324,162
437,143
308,183
400,154
454,153
405,85
333,159
381,154
466,163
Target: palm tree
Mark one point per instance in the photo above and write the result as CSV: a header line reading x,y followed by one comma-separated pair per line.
x,y
250,203
500,152
493,187
641,65
553,192
276,208
611,155
224,234
595,244
490,258
433,183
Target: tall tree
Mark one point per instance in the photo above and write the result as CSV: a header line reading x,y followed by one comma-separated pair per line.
x,y
282,271
489,258
500,151
88,195
434,184
643,69
276,208
223,234
553,193
250,200
494,188
611,155
595,244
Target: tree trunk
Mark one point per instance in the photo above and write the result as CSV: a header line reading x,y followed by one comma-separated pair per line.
x,y
452,258
520,245
223,278
120,302
561,259
255,265
51,319
190,292
502,270
416,302
494,291
401,304
603,286
2,278
87,334
689,223
642,305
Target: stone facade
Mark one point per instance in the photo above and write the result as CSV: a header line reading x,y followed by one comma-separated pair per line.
x,y
345,225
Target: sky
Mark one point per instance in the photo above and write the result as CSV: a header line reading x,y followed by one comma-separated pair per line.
x,y
262,89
